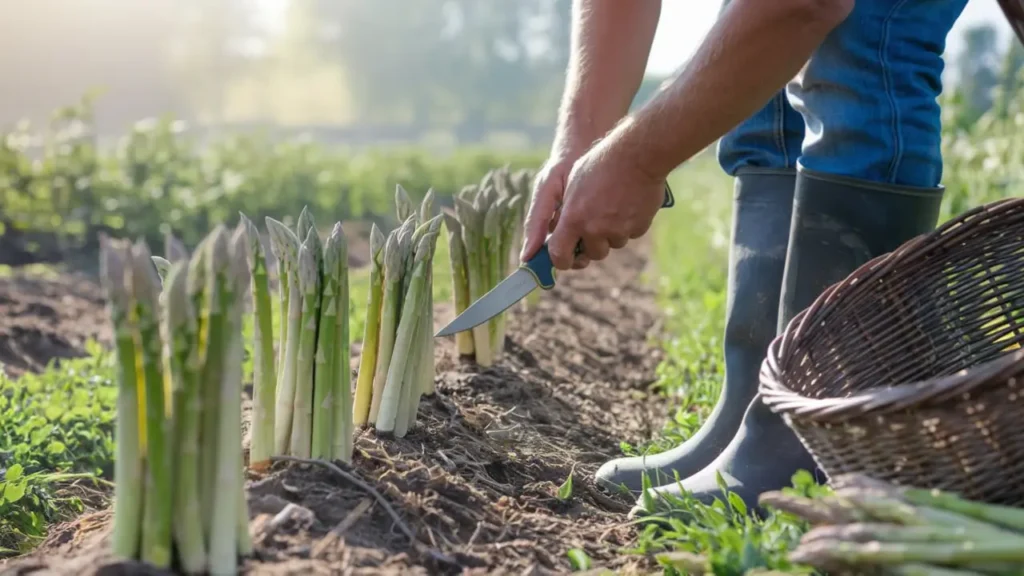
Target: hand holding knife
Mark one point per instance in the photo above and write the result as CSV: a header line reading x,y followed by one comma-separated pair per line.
x,y
537,272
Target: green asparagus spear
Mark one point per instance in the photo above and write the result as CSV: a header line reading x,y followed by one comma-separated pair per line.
x,y
264,372
157,512
128,466
309,284
371,333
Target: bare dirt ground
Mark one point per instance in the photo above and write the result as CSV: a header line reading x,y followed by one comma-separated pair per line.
x,y
472,489
44,318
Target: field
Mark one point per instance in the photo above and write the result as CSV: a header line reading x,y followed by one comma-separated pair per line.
x,y
497,478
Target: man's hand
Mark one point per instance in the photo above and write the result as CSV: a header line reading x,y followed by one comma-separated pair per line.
x,y
609,200
610,44
548,195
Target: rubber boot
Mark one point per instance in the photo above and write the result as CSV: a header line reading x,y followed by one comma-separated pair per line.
x,y
762,207
838,224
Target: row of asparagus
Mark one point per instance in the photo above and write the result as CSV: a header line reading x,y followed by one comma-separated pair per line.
x,y
396,367
305,407
179,496
484,234
179,324
302,400
869,526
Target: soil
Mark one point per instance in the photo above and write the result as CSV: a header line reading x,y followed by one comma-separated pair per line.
x,y
44,318
474,484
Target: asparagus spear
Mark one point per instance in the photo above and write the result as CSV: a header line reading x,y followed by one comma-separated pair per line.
x,y
174,250
156,526
371,333
162,266
264,372
1005,516
405,337
309,283
828,552
425,368
404,206
510,245
393,265
492,251
214,316
460,279
284,245
287,248
472,233
225,533
341,433
242,280
406,244
326,358
304,223
128,493
418,377
184,367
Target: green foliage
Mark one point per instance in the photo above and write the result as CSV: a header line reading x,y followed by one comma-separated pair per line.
x,y
732,541
54,427
158,180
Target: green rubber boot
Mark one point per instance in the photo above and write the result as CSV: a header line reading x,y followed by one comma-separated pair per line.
x,y
838,224
762,207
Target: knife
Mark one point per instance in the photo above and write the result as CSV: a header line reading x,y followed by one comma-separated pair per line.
x,y
537,272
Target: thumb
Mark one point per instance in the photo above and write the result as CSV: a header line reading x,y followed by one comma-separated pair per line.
x,y
542,209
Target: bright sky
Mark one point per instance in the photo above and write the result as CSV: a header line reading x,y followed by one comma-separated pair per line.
x,y
685,22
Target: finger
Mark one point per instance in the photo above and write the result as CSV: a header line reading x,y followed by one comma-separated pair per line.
x,y
554,220
562,244
617,242
537,220
581,262
639,231
595,248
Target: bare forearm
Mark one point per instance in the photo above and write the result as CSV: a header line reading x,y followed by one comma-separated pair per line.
x,y
611,41
753,50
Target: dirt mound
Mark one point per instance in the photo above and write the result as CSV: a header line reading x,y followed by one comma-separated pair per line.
x,y
47,317
473,489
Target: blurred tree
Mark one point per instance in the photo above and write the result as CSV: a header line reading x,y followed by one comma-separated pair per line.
x,y
213,43
1009,76
977,72
463,63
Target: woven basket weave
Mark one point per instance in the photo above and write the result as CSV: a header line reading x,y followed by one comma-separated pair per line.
x,y
911,369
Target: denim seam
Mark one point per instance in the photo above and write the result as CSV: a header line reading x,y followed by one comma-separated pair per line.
x,y
780,128
897,156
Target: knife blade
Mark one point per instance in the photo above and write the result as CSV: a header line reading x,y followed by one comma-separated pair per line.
x,y
537,272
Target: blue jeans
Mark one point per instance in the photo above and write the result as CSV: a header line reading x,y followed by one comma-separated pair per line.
x,y
865,106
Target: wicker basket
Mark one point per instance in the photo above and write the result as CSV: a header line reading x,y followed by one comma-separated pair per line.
x,y
911,369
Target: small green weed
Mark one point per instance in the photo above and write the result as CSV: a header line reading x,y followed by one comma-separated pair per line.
x,y
55,427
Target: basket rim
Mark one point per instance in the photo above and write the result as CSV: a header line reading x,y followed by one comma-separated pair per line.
x,y
782,399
